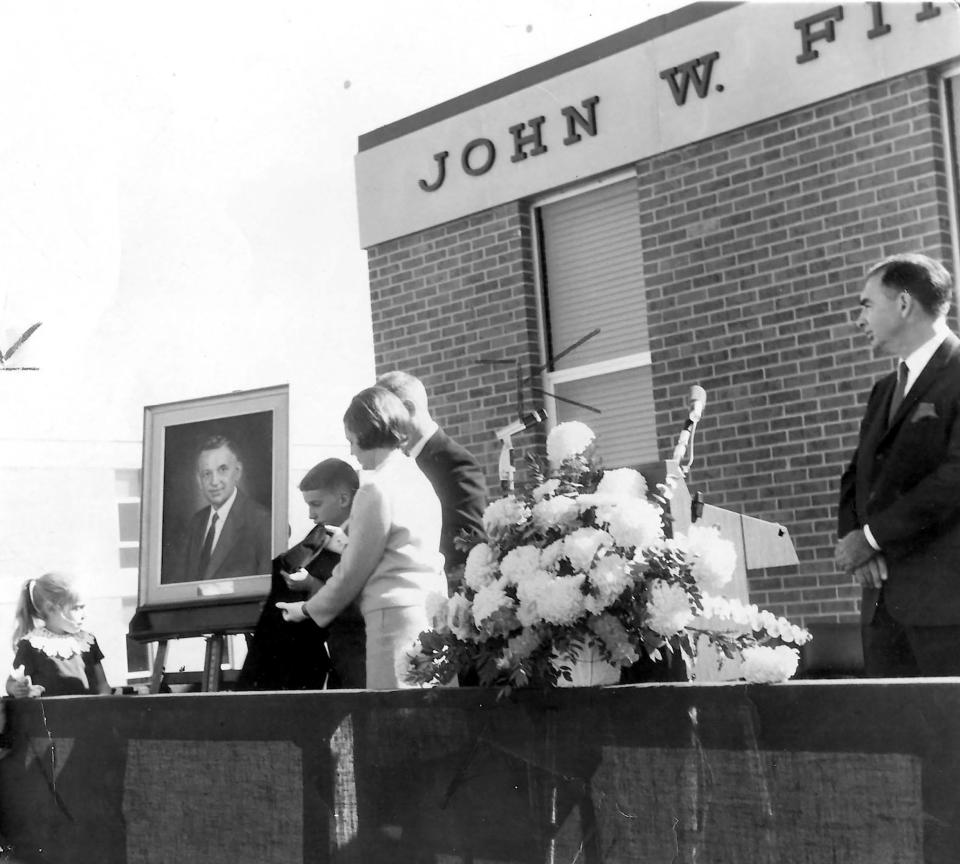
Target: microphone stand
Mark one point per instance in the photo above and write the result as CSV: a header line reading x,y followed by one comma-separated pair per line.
x,y
684,449
685,445
505,436
507,469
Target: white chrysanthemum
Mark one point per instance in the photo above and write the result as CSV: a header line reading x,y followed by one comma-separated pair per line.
x,y
520,563
767,621
556,512
777,627
633,522
609,578
713,559
798,635
503,513
623,482
567,440
580,547
489,600
460,618
437,604
765,665
546,489
480,568
668,608
554,599
550,555
725,614
591,499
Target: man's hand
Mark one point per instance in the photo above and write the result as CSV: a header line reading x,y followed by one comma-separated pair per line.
x,y
853,551
301,581
872,574
292,612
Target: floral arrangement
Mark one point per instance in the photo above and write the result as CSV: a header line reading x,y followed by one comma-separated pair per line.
x,y
580,564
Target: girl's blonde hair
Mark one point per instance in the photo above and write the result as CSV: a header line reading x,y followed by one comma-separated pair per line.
x,y
38,597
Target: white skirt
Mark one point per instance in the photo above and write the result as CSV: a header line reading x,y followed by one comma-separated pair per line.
x,y
391,633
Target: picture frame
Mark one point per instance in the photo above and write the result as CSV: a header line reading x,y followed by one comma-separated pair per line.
x,y
224,454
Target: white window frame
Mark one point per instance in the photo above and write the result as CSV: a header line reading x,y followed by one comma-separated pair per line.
x,y
952,149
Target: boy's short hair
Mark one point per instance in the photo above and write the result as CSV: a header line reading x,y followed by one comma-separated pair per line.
x,y
330,474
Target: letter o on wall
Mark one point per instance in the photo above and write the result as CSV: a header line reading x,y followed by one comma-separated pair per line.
x,y
476,144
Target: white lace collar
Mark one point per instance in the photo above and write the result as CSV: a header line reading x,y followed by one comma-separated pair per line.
x,y
62,645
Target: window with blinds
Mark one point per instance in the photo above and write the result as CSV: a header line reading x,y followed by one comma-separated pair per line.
x,y
951,93
592,278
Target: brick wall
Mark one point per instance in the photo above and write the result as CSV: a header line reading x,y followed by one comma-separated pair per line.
x,y
755,245
445,299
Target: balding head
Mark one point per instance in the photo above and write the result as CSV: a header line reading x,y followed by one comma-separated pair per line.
x,y
413,394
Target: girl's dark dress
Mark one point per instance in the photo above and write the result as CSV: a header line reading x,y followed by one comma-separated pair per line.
x,y
62,662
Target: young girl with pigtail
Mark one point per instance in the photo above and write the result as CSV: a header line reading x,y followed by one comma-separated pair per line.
x,y
54,655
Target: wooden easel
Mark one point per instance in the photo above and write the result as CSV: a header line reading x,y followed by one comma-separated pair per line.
x,y
213,658
214,623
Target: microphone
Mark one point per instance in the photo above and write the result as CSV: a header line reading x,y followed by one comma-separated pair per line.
x,y
698,398
521,424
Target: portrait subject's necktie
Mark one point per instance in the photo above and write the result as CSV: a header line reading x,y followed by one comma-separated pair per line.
x,y
898,392
207,548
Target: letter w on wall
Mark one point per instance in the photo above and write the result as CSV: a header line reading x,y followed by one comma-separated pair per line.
x,y
679,77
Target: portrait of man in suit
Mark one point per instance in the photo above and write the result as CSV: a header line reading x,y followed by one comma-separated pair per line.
x,y
899,510
229,536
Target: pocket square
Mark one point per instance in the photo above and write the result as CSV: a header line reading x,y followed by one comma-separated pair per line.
x,y
924,410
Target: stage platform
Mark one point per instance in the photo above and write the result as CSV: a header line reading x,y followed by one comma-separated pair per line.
x,y
809,771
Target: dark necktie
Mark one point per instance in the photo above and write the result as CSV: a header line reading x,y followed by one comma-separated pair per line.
x,y
207,548
898,391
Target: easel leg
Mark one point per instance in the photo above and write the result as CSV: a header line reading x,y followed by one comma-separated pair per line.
x,y
211,663
156,677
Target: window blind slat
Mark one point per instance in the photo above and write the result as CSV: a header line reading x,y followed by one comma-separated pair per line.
x,y
594,277
626,430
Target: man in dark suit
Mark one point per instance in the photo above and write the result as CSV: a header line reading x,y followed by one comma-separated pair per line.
x,y
452,471
230,537
899,515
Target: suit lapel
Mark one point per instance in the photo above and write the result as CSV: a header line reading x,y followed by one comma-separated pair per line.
x,y
923,382
228,536
430,449
875,429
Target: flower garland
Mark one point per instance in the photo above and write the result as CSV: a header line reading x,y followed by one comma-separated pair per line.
x,y
583,560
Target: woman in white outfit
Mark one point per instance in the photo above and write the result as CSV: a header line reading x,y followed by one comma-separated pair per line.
x,y
392,559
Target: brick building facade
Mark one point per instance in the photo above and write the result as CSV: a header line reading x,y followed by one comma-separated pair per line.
x,y
754,244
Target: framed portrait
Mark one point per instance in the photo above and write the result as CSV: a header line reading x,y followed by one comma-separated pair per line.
x,y
214,505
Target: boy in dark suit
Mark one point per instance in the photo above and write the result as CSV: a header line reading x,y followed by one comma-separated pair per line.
x,y
303,656
899,515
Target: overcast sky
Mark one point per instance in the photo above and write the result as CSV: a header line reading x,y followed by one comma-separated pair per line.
x,y
177,197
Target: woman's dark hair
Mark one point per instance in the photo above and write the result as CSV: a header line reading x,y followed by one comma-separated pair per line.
x,y
378,419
